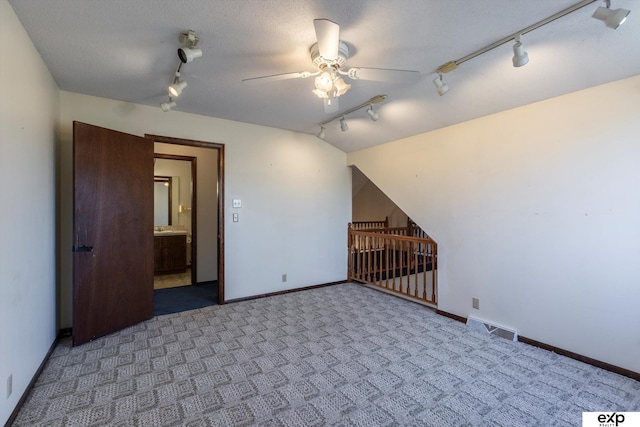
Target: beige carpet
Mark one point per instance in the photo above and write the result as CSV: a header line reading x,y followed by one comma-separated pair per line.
x,y
343,355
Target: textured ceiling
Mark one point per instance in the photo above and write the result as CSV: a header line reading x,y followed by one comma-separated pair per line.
x,y
126,50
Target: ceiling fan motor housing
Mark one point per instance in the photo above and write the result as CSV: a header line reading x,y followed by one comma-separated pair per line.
x,y
321,63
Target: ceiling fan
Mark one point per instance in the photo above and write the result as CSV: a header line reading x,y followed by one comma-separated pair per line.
x,y
330,55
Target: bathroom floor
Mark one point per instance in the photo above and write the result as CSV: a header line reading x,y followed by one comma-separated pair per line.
x,y
164,281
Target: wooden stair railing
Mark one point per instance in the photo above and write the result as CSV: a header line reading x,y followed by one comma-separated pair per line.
x,y
396,261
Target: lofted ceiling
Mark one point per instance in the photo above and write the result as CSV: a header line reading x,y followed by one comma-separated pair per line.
x,y
126,50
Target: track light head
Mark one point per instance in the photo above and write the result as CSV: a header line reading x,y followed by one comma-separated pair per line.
x,y
520,56
612,18
343,125
440,85
322,134
176,88
188,54
167,106
374,116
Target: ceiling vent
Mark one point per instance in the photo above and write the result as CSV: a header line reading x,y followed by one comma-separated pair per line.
x,y
488,328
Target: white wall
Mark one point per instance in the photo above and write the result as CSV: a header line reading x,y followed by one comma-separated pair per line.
x,y
368,203
295,191
28,112
536,211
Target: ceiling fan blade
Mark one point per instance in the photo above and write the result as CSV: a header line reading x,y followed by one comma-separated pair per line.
x,y
331,105
384,75
276,77
328,36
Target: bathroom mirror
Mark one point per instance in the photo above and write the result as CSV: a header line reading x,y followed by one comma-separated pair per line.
x,y
165,199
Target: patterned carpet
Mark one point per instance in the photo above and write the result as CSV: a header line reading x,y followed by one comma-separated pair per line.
x,y
343,355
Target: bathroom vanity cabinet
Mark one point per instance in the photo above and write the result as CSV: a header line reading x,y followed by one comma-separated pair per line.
x,y
170,254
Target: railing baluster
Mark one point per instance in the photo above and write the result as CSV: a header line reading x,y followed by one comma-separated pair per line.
x,y
392,259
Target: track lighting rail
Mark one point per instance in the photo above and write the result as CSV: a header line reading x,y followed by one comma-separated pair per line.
x,y
342,116
612,19
452,65
375,100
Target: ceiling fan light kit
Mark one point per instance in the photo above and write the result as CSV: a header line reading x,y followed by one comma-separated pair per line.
x,y
612,19
329,55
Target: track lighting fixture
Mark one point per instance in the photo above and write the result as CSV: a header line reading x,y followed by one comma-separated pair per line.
x,y
343,125
342,116
520,57
167,106
612,18
440,85
322,134
187,55
374,116
176,88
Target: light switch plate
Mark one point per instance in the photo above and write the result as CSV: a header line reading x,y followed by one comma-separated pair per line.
x,y
237,203
235,217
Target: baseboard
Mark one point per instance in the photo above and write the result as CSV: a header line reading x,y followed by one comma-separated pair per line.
x,y
288,291
570,354
588,360
452,316
14,414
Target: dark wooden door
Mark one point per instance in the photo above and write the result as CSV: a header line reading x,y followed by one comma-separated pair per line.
x,y
113,231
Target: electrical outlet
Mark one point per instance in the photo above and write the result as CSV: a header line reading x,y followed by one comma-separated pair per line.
x,y
9,385
284,278
475,303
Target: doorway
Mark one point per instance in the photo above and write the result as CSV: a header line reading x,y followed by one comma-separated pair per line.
x,y
175,220
207,208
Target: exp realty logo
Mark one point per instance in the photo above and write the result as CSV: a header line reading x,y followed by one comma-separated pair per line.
x,y
611,419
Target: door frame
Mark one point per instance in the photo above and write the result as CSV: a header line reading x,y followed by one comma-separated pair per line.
x,y
220,186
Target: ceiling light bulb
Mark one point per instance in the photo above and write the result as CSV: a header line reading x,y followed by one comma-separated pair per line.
x,y
167,106
187,55
343,125
374,116
612,18
341,86
176,88
322,134
520,57
324,82
440,85
320,93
